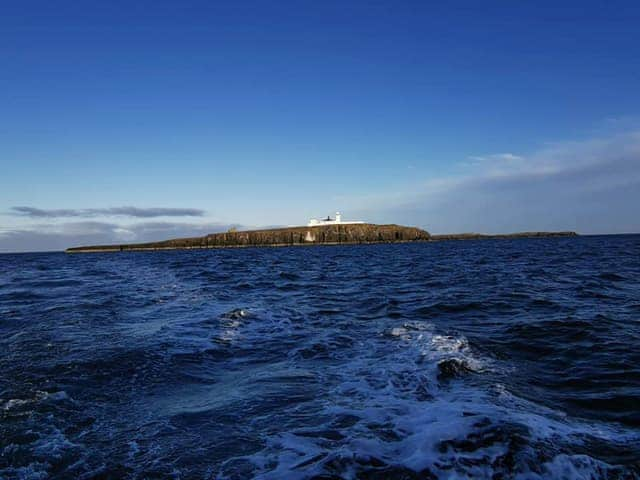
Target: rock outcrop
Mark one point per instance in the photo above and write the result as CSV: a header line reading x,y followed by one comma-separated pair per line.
x,y
317,235
278,237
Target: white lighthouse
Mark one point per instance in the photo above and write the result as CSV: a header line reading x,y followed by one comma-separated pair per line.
x,y
331,221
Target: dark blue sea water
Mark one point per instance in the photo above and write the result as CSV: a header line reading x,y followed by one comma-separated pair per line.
x,y
477,359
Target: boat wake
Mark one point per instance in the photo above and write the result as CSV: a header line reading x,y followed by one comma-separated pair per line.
x,y
408,402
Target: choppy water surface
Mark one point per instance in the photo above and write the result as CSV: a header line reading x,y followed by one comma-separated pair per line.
x,y
483,359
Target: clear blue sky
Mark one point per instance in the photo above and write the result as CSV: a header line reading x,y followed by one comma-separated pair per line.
x,y
263,113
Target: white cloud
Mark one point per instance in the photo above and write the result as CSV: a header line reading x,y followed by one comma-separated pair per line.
x,y
592,186
496,157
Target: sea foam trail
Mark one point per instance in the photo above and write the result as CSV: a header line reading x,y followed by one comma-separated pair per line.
x,y
405,403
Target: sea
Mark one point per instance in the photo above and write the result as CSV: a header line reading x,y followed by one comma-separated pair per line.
x,y
487,359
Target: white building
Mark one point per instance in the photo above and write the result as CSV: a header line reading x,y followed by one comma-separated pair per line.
x,y
331,221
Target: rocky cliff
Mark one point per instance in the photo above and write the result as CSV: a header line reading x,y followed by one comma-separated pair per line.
x,y
320,235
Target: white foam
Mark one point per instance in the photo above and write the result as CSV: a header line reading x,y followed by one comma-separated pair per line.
x,y
38,396
407,418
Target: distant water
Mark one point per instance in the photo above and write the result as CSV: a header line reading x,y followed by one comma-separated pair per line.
x,y
483,359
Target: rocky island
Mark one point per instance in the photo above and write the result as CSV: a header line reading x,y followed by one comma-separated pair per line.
x,y
334,234
331,233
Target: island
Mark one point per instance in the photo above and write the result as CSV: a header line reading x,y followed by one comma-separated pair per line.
x,y
331,233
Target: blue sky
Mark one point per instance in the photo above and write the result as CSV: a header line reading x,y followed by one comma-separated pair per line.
x,y
483,116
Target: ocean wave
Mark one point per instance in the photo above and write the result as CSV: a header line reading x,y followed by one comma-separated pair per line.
x,y
480,360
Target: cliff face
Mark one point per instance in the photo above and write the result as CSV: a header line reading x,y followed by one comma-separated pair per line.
x,y
327,235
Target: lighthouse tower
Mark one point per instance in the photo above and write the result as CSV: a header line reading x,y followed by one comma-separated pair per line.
x,y
338,217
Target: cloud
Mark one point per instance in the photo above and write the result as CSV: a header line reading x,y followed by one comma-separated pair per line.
x,y
47,237
591,186
499,157
134,212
